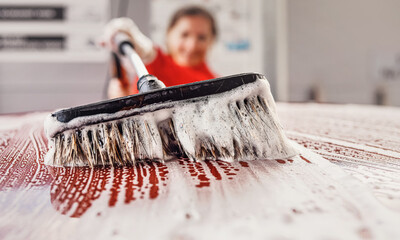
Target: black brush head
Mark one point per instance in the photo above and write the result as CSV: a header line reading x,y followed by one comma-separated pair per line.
x,y
169,94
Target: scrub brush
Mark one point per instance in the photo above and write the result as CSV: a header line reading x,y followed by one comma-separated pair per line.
x,y
229,118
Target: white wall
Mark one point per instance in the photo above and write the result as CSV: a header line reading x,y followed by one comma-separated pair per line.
x,y
341,46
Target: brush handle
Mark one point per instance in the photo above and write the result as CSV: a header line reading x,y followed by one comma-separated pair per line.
x,y
146,82
126,48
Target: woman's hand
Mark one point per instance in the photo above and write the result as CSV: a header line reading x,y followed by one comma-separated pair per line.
x,y
143,45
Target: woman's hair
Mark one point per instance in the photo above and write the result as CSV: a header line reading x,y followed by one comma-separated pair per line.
x,y
191,11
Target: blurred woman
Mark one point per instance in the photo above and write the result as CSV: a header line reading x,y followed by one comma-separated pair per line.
x,y
190,35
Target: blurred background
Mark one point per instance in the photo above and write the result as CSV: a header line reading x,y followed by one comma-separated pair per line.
x,y
343,51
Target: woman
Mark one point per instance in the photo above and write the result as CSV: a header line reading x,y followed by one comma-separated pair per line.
x,y
190,34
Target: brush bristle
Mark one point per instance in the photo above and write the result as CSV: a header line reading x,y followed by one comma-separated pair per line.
x,y
128,140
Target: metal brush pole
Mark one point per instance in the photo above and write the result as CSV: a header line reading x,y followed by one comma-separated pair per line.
x,y
146,82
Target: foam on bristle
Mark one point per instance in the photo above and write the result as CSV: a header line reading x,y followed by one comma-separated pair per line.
x,y
240,124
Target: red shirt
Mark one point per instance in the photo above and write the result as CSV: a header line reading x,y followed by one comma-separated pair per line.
x,y
171,74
